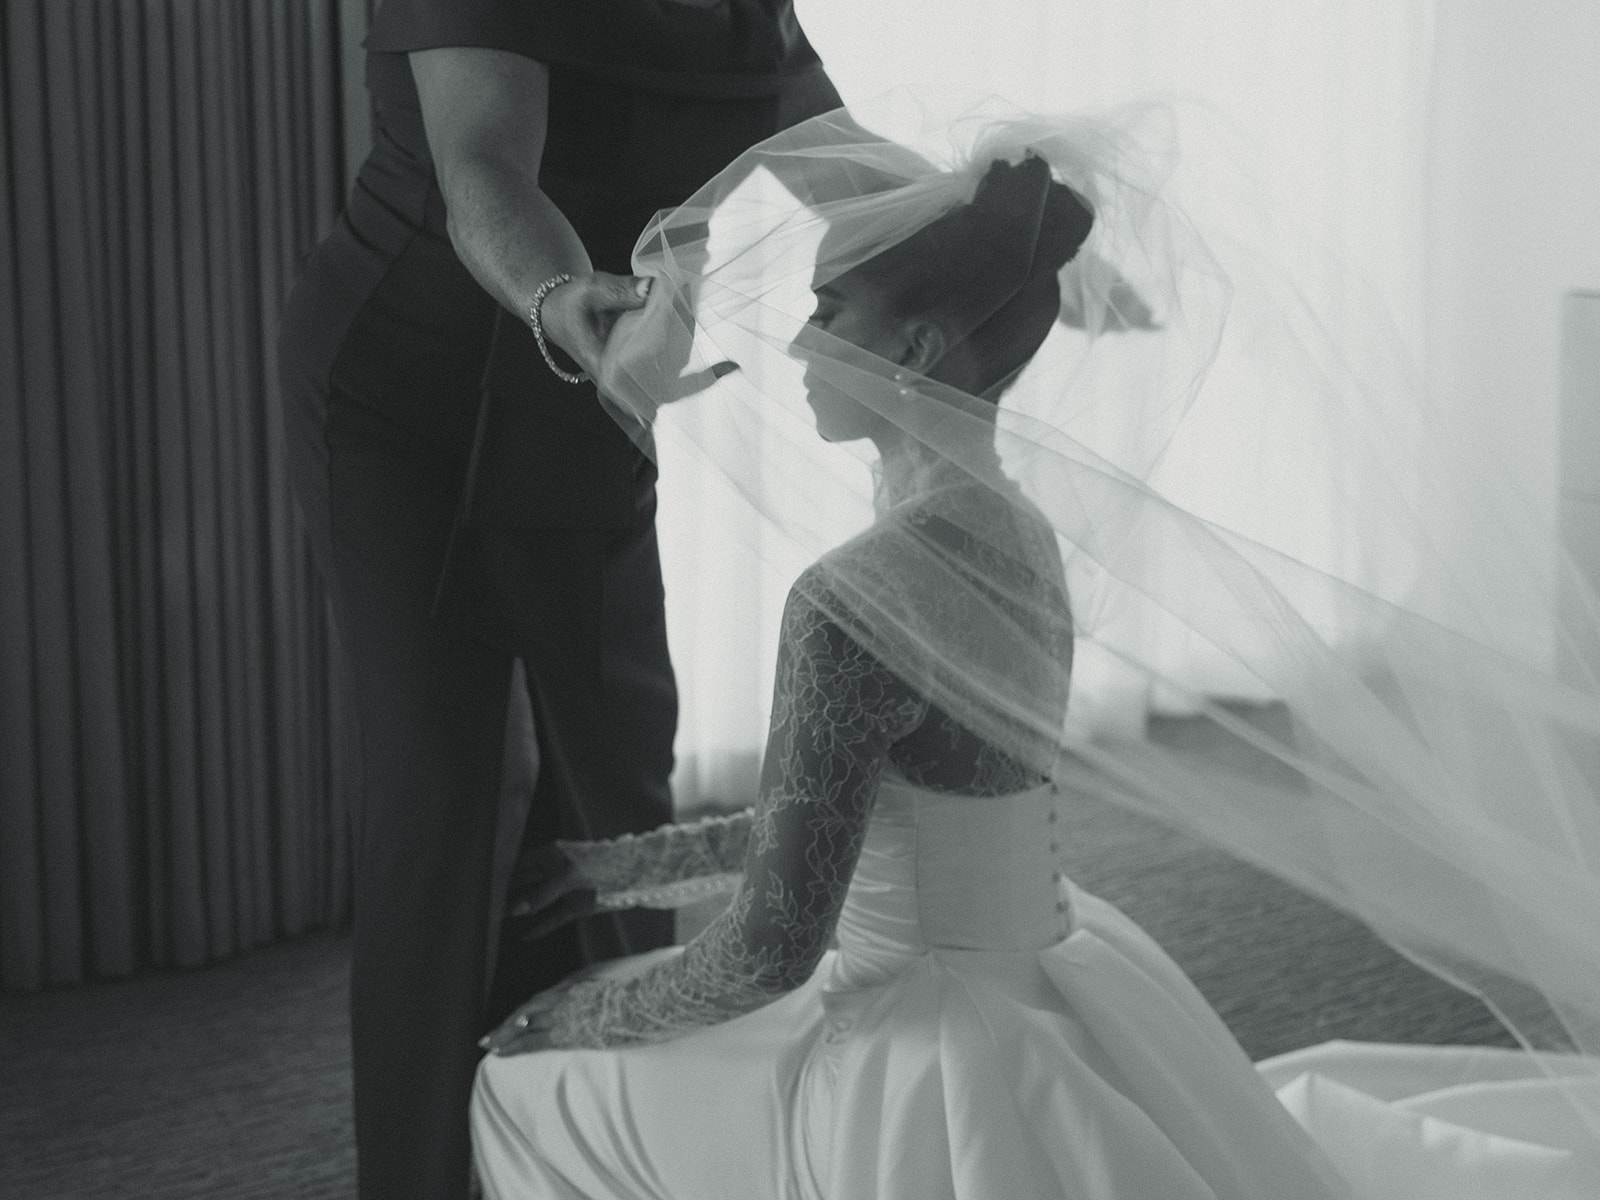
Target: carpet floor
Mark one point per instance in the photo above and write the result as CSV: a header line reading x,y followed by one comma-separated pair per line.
x,y
230,1083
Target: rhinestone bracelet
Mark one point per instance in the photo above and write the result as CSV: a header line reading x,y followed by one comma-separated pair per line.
x,y
537,303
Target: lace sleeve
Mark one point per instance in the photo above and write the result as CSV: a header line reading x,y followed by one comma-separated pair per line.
x,y
666,868
836,711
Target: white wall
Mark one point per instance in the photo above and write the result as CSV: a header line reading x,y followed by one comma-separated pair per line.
x,y
1580,468
1513,201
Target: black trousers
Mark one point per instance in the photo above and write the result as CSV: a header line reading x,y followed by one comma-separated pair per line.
x,y
377,454
387,349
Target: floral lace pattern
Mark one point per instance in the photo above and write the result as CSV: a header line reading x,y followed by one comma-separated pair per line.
x,y
836,712
959,587
840,715
670,854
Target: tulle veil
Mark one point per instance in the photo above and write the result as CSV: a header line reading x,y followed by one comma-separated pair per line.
x,y
1386,739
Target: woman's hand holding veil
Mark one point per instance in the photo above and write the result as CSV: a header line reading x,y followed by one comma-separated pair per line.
x,y
579,315
648,359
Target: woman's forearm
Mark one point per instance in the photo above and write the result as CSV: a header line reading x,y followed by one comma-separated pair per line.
x,y
513,238
486,114
506,231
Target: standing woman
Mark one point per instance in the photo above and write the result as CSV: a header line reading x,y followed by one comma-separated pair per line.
x,y
469,501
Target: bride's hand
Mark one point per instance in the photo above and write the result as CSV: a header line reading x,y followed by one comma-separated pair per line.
x,y
528,1028
546,891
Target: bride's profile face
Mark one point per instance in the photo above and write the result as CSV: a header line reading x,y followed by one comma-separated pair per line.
x,y
858,313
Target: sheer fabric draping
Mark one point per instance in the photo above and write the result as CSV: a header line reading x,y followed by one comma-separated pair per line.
x,y
1434,770
1329,107
175,770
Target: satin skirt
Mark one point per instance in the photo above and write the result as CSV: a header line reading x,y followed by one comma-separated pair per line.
x,y
1017,1039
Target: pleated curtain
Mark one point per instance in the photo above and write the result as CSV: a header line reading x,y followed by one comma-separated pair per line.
x,y
176,757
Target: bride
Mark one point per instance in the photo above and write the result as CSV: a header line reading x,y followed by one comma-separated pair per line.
x,y
981,1028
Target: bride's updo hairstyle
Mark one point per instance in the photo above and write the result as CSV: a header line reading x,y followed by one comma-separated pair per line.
x,y
986,271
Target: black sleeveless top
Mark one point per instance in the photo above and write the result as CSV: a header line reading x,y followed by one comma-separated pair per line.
x,y
719,49
648,100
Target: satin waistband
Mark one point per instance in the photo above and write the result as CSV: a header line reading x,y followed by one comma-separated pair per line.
x,y
939,871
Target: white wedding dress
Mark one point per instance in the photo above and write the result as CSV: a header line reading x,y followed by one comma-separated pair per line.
x,y
987,1031
983,1030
